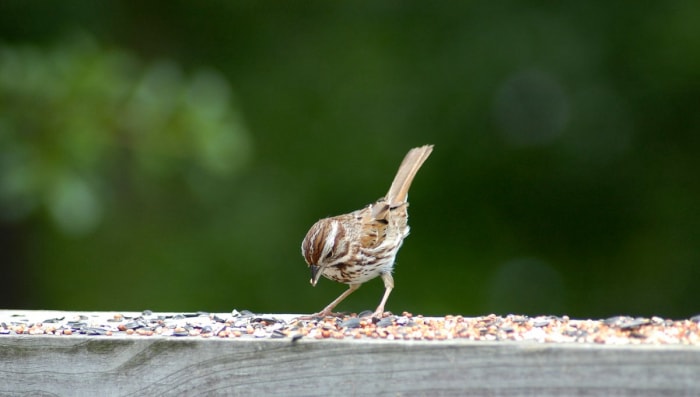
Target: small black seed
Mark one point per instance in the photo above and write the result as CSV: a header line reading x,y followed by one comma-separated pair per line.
x,y
296,337
616,320
636,323
264,320
219,330
276,334
519,319
366,313
386,322
352,322
94,331
134,325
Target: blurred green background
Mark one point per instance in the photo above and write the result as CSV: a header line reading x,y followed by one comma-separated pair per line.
x,y
172,155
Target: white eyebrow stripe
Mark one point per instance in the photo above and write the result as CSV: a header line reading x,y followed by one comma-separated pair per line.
x,y
330,240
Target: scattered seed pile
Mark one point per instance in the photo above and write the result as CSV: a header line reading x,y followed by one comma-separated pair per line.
x,y
244,324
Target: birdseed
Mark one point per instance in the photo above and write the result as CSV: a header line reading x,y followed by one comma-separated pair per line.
x,y
617,330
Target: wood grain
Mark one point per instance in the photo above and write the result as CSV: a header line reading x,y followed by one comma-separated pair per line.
x,y
129,366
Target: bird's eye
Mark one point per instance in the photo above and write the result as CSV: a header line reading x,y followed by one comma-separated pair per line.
x,y
328,256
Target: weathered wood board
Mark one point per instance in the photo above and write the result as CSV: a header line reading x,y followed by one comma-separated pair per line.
x,y
128,366
157,365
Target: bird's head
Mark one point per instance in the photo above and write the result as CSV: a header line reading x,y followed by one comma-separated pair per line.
x,y
322,246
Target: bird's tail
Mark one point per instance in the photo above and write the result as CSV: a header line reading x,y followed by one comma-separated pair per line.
x,y
398,192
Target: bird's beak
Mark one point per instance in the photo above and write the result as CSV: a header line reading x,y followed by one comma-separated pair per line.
x,y
315,274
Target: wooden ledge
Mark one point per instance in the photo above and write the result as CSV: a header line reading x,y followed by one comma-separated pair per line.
x,y
123,364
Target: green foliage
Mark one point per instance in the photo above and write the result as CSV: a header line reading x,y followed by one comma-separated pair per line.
x,y
76,119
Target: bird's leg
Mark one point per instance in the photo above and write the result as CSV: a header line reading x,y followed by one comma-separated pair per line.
x,y
388,286
328,310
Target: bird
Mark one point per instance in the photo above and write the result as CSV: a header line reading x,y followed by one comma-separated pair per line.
x,y
356,247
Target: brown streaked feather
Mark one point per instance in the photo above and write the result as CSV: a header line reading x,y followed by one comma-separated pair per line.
x,y
315,241
373,233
